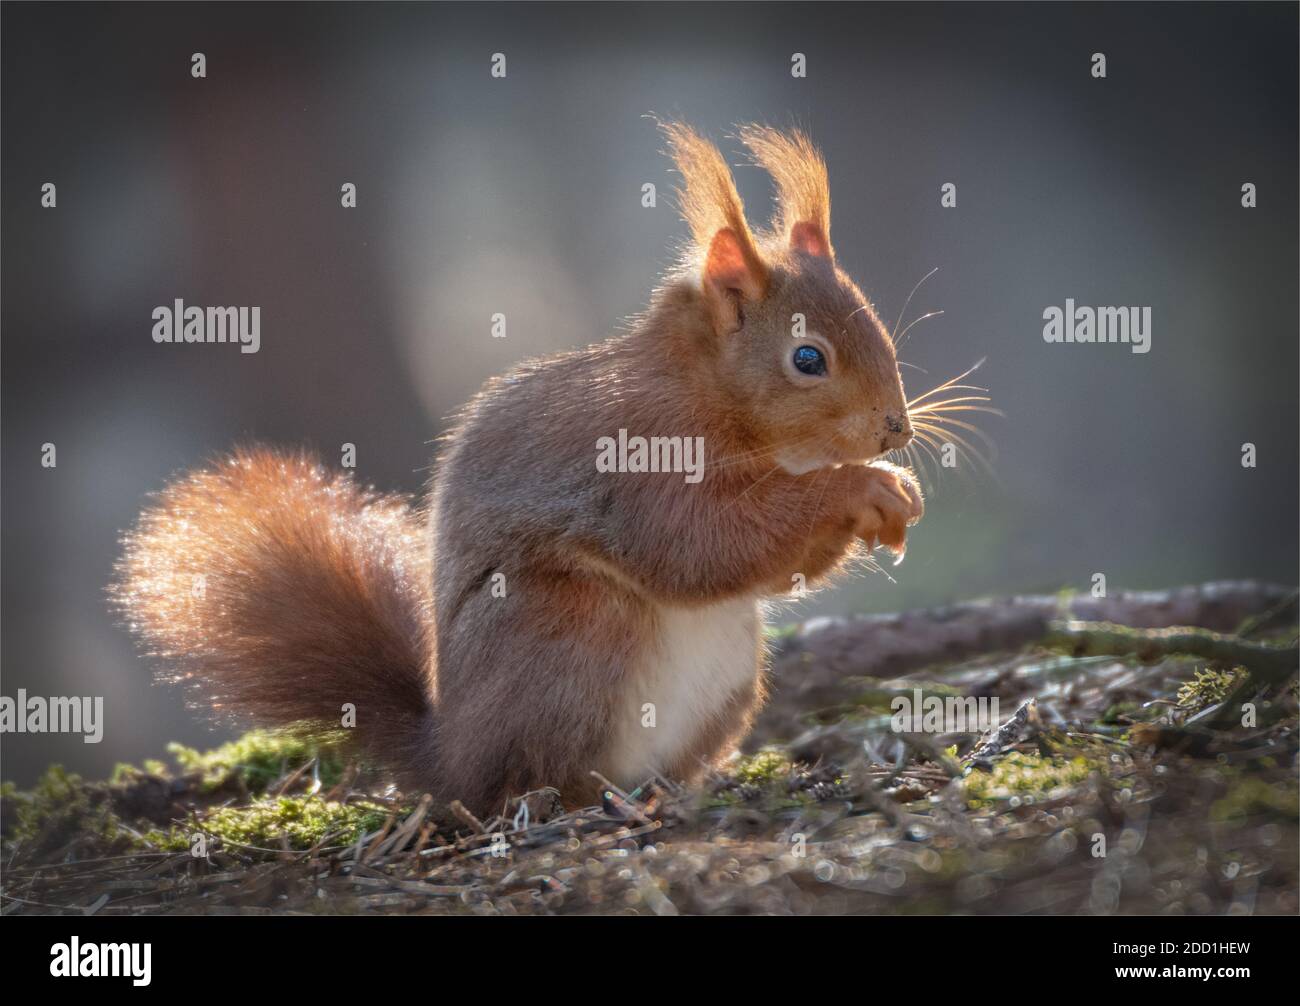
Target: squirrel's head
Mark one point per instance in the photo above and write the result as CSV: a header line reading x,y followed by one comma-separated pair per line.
x,y
786,341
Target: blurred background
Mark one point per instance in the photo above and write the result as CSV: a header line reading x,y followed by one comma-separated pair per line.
x,y
523,195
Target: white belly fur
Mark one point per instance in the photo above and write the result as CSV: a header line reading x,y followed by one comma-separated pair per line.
x,y
702,657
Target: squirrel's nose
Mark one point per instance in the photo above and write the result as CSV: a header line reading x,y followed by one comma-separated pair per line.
x,y
900,432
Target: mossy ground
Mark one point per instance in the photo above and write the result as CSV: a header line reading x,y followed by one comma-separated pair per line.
x,y
258,758
843,816
273,823
223,791
1209,686
1023,778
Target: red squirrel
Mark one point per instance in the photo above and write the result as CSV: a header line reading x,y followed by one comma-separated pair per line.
x,y
539,618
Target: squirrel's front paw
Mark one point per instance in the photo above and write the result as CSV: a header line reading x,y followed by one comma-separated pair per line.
x,y
891,503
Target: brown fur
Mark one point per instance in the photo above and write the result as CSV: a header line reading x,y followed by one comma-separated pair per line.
x,y
802,186
275,587
708,198
320,593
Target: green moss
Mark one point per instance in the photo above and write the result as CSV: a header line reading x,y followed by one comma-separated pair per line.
x,y
251,763
125,772
257,759
1209,687
61,807
761,768
1026,775
1249,796
300,821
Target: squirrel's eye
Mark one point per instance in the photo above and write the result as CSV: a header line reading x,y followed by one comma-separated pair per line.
x,y
809,360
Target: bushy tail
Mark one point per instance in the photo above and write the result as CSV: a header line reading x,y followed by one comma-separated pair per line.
x,y
280,591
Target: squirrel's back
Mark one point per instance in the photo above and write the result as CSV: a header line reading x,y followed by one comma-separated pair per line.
x,y
283,592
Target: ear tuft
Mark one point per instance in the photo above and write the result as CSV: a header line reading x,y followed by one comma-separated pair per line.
x,y
709,200
802,190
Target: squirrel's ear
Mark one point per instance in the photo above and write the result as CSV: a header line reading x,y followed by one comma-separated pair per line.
x,y
712,207
807,237
803,195
730,279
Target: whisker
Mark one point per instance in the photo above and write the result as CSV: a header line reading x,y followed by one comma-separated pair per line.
x,y
903,313
967,447
949,384
942,425
929,444
931,314
926,454
915,459
872,565
945,387
812,521
742,495
959,398
759,453
959,408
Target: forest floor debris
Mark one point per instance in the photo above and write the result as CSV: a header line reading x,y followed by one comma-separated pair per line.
x,y
1125,776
